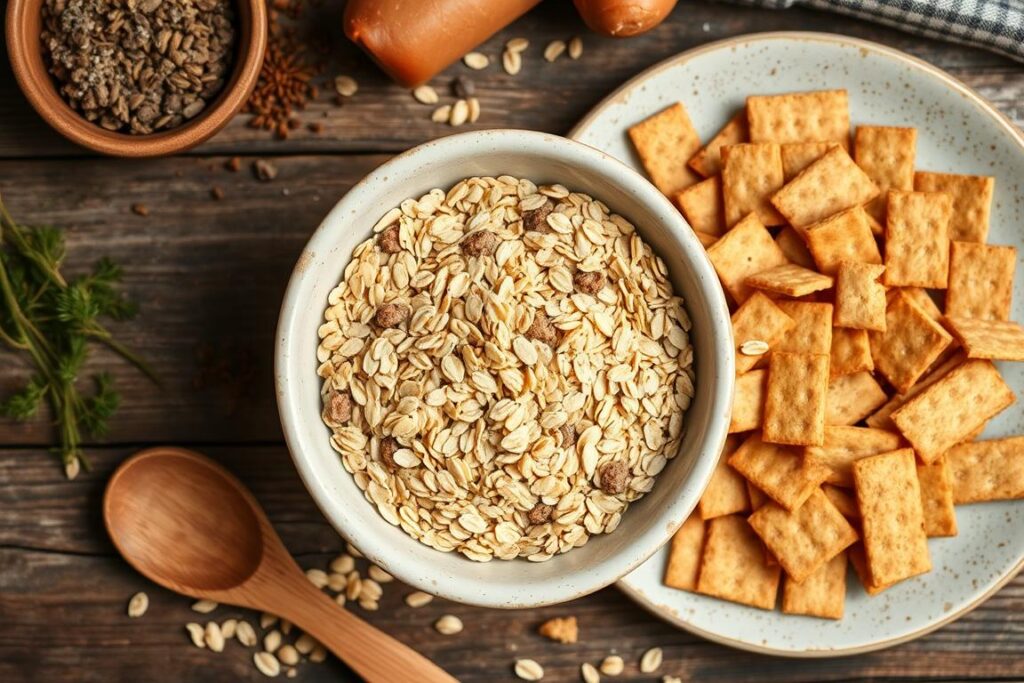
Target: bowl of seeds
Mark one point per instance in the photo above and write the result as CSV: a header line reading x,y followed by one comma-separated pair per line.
x,y
136,78
504,368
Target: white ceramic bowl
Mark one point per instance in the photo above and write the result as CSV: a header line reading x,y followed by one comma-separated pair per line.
x,y
647,524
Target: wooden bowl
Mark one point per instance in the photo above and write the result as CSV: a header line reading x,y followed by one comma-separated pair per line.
x,y
24,24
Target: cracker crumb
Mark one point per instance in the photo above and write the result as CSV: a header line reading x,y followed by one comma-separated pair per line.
x,y
560,629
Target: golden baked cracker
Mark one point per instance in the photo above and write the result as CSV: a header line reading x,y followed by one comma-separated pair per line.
x,y
796,156
708,160
726,492
850,352
843,500
920,297
822,594
936,485
910,344
665,142
791,280
917,239
844,445
876,227
804,539
812,329
851,398
892,519
992,339
949,410
683,564
987,470
792,245
701,206
748,401
815,116
881,418
757,496
972,202
758,319
750,175
745,250
886,154
794,404
980,280
733,565
843,237
859,562
706,240
778,471
860,297
832,184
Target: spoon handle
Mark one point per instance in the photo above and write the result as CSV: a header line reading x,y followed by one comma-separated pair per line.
x,y
371,653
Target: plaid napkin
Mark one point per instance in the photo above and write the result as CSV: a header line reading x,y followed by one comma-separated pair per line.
x,y
996,25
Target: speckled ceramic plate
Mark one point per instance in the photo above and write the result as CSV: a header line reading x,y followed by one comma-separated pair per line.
x,y
957,131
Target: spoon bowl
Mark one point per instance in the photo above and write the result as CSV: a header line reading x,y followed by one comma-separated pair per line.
x,y
188,524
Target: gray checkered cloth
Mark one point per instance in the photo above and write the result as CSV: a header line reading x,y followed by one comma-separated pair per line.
x,y
996,25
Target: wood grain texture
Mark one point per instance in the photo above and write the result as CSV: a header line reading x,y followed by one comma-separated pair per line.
x,y
210,274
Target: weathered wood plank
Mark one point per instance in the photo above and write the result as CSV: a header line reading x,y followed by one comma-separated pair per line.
x,y
63,594
549,97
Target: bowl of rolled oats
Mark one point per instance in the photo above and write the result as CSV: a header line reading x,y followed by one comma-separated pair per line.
x,y
504,368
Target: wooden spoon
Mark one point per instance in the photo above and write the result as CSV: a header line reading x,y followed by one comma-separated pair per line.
x,y
186,523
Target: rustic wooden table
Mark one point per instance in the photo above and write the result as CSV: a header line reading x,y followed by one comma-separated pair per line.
x,y
210,275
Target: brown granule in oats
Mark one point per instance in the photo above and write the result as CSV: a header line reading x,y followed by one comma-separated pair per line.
x,y
339,407
480,243
588,283
613,477
542,329
568,436
540,514
388,446
388,240
537,219
560,630
391,315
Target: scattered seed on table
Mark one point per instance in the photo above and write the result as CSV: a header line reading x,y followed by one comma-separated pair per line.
x,y
418,599
316,127
233,164
369,605
72,468
340,599
140,210
474,109
463,87
476,60
213,637
336,582
317,577
460,113
288,655
229,628
286,626
554,50
318,654
589,674
245,634
267,664
517,45
138,605
671,679
575,47
512,62
441,114
529,670
651,660
345,86
379,575
425,95
272,641
305,643
448,625
196,633
343,564
612,665
217,192
264,170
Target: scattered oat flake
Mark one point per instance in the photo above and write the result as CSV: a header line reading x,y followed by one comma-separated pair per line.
x,y
476,61
448,625
204,606
529,670
560,629
754,347
554,50
267,664
138,605
424,94
418,599
651,660
575,47
612,665
345,86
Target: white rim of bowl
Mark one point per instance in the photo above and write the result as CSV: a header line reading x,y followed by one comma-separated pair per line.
x,y
623,584
290,348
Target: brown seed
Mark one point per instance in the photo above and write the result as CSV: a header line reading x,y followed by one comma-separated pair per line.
x,y
463,87
233,164
613,476
536,219
391,315
140,209
540,514
588,283
217,192
542,329
387,452
388,240
264,170
316,127
480,243
339,407
568,435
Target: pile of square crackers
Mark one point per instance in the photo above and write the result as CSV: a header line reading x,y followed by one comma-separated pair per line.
x,y
867,311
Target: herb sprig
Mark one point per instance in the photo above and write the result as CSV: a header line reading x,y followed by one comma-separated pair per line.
x,y
53,320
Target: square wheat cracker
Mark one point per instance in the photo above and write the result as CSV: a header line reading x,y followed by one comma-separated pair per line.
x,y
805,539
791,280
936,485
822,594
745,250
980,280
860,297
845,236
814,116
845,445
748,401
705,239
780,472
708,161
733,565
701,206
851,398
832,184
912,341
987,470
850,352
992,339
756,495
843,500
972,202
726,492
794,404
684,555
881,418
917,239
812,329
665,142
920,297
951,409
758,319
796,156
751,173
794,248
859,562
892,519
886,154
